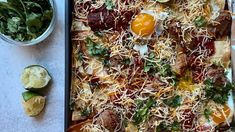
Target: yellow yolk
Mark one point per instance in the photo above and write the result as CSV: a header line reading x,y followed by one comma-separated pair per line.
x,y
218,117
143,25
186,83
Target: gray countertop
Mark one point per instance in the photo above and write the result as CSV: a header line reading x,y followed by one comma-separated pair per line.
x,y
13,59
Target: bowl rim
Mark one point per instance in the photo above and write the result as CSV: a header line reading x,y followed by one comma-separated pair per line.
x,y
40,38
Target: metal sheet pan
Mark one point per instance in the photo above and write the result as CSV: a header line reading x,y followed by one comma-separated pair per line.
x,y
68,56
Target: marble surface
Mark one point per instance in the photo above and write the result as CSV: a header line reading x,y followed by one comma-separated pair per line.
x,y
13,59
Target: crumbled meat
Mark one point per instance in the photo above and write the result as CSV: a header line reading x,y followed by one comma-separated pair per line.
x,y
174,29
188,122
195,61
109,119
150,124
181,64
203,44
217,74
181,61
223,27
103,19
115,60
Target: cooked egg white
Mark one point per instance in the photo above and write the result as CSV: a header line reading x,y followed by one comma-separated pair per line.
x,y
148,21
216,7
222,53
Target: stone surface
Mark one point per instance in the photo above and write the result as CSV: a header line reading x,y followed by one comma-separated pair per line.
x,y
13,59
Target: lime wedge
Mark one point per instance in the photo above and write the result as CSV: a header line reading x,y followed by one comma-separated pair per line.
x,y
35,77
33,103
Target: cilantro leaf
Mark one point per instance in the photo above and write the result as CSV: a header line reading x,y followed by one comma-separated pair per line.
x,y
200,21
207,113
98,51
34,23
142,110
218,94
175,126
85,112
173,102
161,127
13,24
109,4
25,20
149,65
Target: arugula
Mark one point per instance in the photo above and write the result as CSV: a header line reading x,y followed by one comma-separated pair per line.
x,y
142,110
109,4
207,113
174,101
24,20
200,21
218,94
98,51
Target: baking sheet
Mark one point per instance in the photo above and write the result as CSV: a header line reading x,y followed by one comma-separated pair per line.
x,y
68,48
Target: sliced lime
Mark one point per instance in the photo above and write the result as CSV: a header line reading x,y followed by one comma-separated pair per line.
x,y
35,77
33,103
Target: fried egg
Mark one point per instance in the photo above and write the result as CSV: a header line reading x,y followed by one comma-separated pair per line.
x,y
148,21
220,114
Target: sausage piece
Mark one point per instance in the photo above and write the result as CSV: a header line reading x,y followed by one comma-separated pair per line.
x,y
223,27
108,119
104,19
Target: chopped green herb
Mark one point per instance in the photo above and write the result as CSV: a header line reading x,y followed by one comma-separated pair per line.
x,y
85,112
218,94
200,21
175,126
142,110
72,104
161,127
173,102
149,65
98,51
160,67
79,56
109,4
164,69
98,34
207,114
126,61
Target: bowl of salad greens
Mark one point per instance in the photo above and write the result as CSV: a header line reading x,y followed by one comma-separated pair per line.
x,y
26,22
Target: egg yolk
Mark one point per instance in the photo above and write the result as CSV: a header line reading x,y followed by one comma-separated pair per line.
x,y
218,117
143,25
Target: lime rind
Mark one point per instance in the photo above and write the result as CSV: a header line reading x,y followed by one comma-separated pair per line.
x,y
35,105
28,95
35,76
